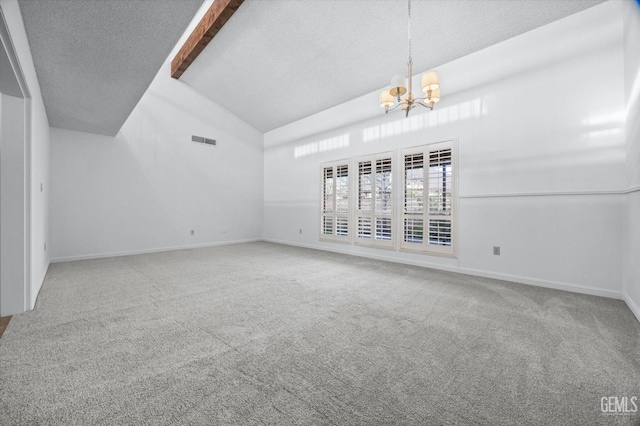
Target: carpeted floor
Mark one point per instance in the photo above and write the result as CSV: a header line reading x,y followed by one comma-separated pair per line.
x,y
266,334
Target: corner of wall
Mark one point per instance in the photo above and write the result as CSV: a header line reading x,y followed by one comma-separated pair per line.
x,y
631,56
39,137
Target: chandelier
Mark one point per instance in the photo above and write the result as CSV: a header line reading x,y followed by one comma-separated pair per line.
x,y
403,95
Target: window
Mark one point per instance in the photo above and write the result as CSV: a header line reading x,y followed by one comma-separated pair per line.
x,y
359,199
334,218
374,213
429,199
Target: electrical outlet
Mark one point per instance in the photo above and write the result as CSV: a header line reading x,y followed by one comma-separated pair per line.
x,y
45,246
41,187
496,250
193,232
300,231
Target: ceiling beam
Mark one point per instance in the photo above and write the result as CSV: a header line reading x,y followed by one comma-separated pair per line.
x,y
212,22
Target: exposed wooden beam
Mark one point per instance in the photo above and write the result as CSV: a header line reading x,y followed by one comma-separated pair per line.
x,y
212,21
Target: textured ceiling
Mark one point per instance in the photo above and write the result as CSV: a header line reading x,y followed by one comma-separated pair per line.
x,y
278,61
95,59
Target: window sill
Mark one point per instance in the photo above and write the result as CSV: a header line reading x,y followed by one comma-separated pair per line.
x,y
346,240
375,246
430,253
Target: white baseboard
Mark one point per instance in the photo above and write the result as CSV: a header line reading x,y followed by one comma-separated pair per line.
x,y
36,291
632,305
152,250
574,288
376,256
556,285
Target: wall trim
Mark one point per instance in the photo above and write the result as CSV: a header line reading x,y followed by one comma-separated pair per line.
x,y
153,250
552,194
632,189
548,194
574,288
632,306
373,256
556,285
40,282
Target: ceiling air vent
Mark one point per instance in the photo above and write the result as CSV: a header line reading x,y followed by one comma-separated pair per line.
x,y
200,139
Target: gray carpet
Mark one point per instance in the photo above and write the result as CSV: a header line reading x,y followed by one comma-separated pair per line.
x,y
266,334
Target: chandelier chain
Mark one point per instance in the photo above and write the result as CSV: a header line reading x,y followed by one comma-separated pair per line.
x,y
400,94
409,30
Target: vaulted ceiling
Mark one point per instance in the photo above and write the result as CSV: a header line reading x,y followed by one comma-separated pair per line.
x,y
274,62
278,61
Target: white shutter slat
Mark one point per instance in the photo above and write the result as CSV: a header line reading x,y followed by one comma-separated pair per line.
x,y
374,219
334,219
428,198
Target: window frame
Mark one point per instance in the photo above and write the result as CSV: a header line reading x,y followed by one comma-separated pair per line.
x,y
372,214
425,215
334,215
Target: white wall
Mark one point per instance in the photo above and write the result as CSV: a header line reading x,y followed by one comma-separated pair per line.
x,y
632,98
14,260
146,188
39,162
541,157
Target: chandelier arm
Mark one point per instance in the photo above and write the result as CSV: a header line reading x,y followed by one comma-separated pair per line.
x,y
395,106
419,102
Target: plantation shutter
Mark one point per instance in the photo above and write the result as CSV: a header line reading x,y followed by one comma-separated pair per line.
x,y
413,200
334,217
364,199
374,215
342,200
429,199
440,196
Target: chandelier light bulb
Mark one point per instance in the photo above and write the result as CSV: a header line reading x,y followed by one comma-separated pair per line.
x,y
386,100
398,86
435,96
430,81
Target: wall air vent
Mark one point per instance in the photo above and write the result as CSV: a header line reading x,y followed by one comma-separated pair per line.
x,y
200,139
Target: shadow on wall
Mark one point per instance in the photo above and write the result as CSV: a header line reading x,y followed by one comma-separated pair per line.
x,y
328,144
429,119
462,111
601,125
634,96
